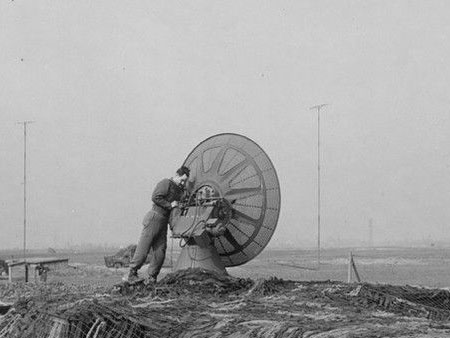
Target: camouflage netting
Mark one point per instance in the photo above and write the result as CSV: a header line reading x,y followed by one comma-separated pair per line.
x,y
203,282
196,303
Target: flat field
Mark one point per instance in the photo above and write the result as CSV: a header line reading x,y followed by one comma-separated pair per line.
x,y
428,267
399,266
280,293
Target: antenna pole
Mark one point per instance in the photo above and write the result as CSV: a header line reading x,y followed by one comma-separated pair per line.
x,y
25,123
318,108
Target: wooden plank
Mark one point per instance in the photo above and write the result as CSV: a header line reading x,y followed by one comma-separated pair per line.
x,y
15,263
356,271
349,270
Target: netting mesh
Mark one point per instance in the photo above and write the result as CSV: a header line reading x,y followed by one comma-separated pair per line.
x,y
432,303
428,303
88,319
187,305
240,171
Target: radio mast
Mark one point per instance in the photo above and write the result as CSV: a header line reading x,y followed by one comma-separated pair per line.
x,y
318,108
25,123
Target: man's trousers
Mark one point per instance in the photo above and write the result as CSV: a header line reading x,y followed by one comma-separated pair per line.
x,y
153,237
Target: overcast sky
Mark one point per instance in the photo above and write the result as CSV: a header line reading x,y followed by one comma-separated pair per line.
x,y
122,92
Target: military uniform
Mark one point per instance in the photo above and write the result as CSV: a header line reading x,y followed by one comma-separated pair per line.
x,y
154,233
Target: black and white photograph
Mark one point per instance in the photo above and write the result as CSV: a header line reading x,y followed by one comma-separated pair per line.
x,y
225,169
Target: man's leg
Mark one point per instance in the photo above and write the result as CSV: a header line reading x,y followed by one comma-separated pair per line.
x,y
148,234
159,247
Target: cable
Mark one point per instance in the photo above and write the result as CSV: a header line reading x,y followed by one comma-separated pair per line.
x,y
171,252
190,235
193,225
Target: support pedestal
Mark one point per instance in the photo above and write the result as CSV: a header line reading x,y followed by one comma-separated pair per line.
x,y
200,253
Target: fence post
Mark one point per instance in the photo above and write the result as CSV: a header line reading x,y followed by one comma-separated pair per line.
x,y
356,271
349,271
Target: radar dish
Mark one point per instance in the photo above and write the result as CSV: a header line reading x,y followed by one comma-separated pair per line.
x,y
237,169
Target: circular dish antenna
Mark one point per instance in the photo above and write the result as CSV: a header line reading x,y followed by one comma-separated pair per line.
x,y
235,168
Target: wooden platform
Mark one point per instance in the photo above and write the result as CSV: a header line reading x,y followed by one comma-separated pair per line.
x,y
39,266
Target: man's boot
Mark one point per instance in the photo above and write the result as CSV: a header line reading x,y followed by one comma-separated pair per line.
x,y
131,276
151,280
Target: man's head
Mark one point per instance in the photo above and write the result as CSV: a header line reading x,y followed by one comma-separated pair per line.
x,y
182,174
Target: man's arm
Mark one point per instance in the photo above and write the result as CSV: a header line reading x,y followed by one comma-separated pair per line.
x,y
159,196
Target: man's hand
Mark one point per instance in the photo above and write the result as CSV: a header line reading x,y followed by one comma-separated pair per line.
x,y
174,204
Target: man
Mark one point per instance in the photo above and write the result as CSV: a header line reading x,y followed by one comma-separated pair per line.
x,y
165,197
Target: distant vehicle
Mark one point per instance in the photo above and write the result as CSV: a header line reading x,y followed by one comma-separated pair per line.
x,y
3,267
122,258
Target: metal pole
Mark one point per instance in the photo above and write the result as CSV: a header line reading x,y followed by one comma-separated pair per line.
x,y
370,233
24,123
24,190
318,186
318,107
